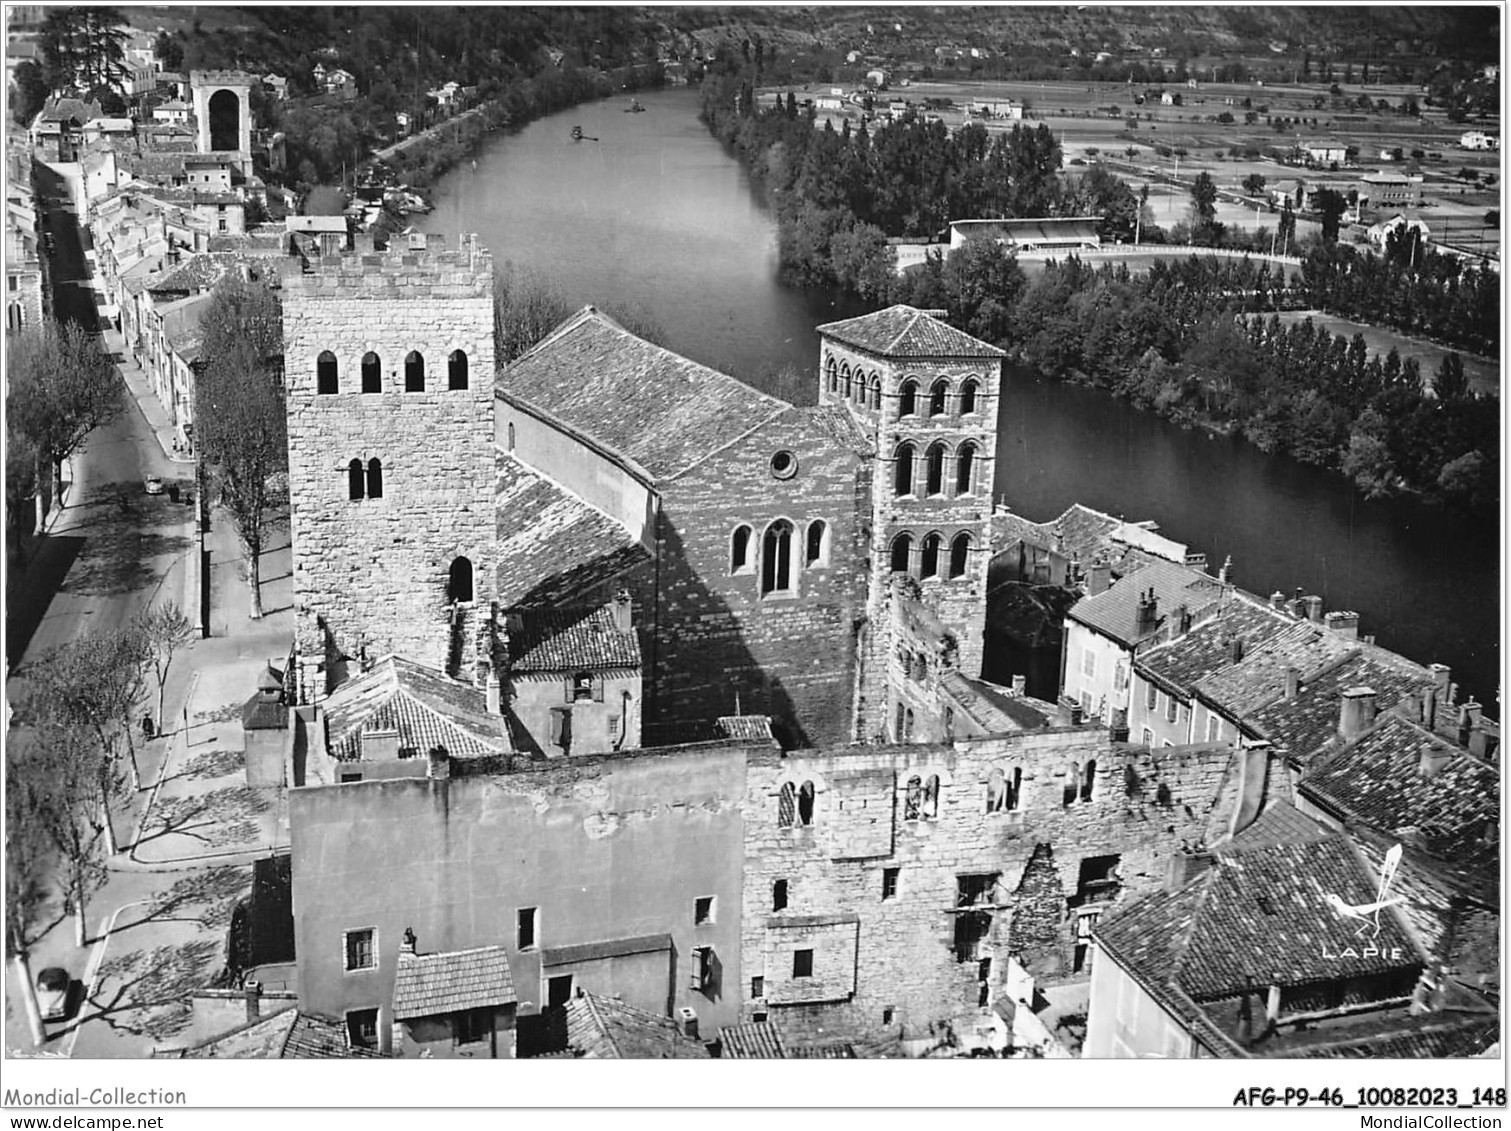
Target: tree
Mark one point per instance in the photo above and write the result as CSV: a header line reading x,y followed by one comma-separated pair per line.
x,y
1449,383
31,92
1203,199
70,768
25,839
62,387
164,629
170,52
1253,184
1493,219
83,48
239,419
1331,205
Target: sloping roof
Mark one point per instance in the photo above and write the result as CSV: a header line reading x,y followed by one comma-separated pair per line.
x,y
1259,678
1428,1035
552,545
1377,780
560,640
637,399
1114,612
1079,533
906,331
754,1040
288,1034
604,1028
1305,726
426,707
1032,229
1263,911
840,424
607,948
990,707
197,274
1182,662
427,985
745,728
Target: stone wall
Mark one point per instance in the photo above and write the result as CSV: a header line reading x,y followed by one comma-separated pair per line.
x,y
716,645
918,956
374,572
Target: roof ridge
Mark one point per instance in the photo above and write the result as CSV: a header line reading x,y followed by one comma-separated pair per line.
x,y
592,1007
1199,889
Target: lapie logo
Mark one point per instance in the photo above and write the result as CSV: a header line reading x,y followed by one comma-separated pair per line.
x,y
1367,915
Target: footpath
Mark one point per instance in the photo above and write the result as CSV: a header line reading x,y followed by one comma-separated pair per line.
x,y
157,928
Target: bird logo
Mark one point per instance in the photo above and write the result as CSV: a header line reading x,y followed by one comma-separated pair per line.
x,y
1367,915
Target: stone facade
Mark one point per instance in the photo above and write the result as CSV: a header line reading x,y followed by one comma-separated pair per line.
x,y
934,502
376,572
731,634
910,896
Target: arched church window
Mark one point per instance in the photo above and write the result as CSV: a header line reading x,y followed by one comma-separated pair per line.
x,y
907,398
928,565
902,553
965,469
739,550
372,373
456,370
816,547
356,480
325,373
374,479
876,391
776,558
939,398
936,457
968,396
902,473
414,372
960,550
459,585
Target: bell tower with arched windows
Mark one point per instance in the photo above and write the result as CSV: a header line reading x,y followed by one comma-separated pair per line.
x,y
388,361
928,394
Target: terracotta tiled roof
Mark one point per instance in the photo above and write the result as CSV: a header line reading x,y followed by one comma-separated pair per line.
x,y
841,425
746,728
1305,726
428,985
1428,1035
1452,811
562,640
642,401
1261,911
1258,680
906,331
552,546
317,1038
197,274
604,1028
754,1040
287,1034
1114,612
1182,662
427,708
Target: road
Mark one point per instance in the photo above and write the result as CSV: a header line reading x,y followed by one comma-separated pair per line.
x,y
99,565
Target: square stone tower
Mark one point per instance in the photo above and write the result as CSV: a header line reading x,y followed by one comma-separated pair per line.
x,y
928,394
389,370
223,113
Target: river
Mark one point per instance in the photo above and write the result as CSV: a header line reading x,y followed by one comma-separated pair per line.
x,y
655,218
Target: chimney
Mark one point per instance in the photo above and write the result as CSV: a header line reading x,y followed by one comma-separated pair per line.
x,y
622,609
1185,867
253,990
1358,713
1020,685
1224,575
1180,621
1292,682
1440,674
1314,609
1098,579
438,764
1119,725
480,674
1235,650
1466,724
1429,707
687,1022
407,946
1473,707
1479,743
1272,1007
1435,757
1345,624
494,695
1148,612
1070,711
1245,1034
1277,601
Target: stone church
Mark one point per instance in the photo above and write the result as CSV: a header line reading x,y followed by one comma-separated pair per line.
x,y
611,545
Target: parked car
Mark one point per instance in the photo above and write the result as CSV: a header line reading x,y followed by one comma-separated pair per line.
x,y
52,993
153,485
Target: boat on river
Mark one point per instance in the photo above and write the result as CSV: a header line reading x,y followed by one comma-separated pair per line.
x,y
634,107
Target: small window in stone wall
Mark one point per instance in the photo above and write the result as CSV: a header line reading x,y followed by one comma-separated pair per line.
x,y
802,963
907,398
414,372
968,396
776,558
939,397
739,551
816,545
912,800
902,471
1089,780
758,987
325,373
876,392
779,895
931,797
374,479
372,373
935,465
928,562
356,480
786,805
805,795
960,551
889,878
456,371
